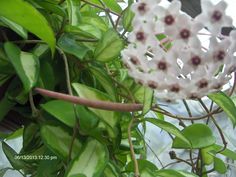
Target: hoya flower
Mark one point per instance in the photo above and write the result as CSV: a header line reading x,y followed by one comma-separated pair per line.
x,y
218,51
185,32
213,16
168,17
184,70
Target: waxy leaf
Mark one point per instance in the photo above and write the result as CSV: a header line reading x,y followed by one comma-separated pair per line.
x,y
26,65
57,109
91,162
73,7
25,15
68,44
59,141
148,98
15,27
219,166
174,173
110,118
168,127
199,135
109,46
111,4
222,100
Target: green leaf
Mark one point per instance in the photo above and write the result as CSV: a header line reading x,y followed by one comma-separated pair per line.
x,y
84,30
170,128
5,106
87,119
105,81
174,173
91,162
206,156
111,171
25,64
199,135
3,171
95,21
51,7
148,99
73,7
219,166
68,44
227,152
111,4
222,100
110,118
144,167
11,156
29,18
127,19
59,140
57,109
16,134
15,27
109,46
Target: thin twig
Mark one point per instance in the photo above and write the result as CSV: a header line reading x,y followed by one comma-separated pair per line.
x,y
136,167
217,126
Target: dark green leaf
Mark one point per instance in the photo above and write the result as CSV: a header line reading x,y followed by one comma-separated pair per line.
x,y
105,81
25,64
109,117
222,100
59,140
109,46
199,135
5,106
67,43
91,162
15,27
11,156
170,128
29,18
219,166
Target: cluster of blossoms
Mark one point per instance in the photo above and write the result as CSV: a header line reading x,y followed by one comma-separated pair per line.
x,y
178,66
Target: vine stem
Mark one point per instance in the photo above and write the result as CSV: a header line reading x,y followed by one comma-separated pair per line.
x,y
111,106
67,72
136,167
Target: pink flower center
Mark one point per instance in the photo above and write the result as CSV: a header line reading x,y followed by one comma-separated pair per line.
x,y
175,88
185,33
134,60
196,60
162,65
142,8
217,15
220,55
202,83
140,36
169,20
152,84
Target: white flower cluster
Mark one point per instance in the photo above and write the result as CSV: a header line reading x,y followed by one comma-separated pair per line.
x,y
178,66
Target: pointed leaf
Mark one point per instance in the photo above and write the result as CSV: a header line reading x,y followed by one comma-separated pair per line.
x,y
222,100
57,109
168,127
199,135
59,140
219,166
109,46
91,162
25,64
148,98
22,13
